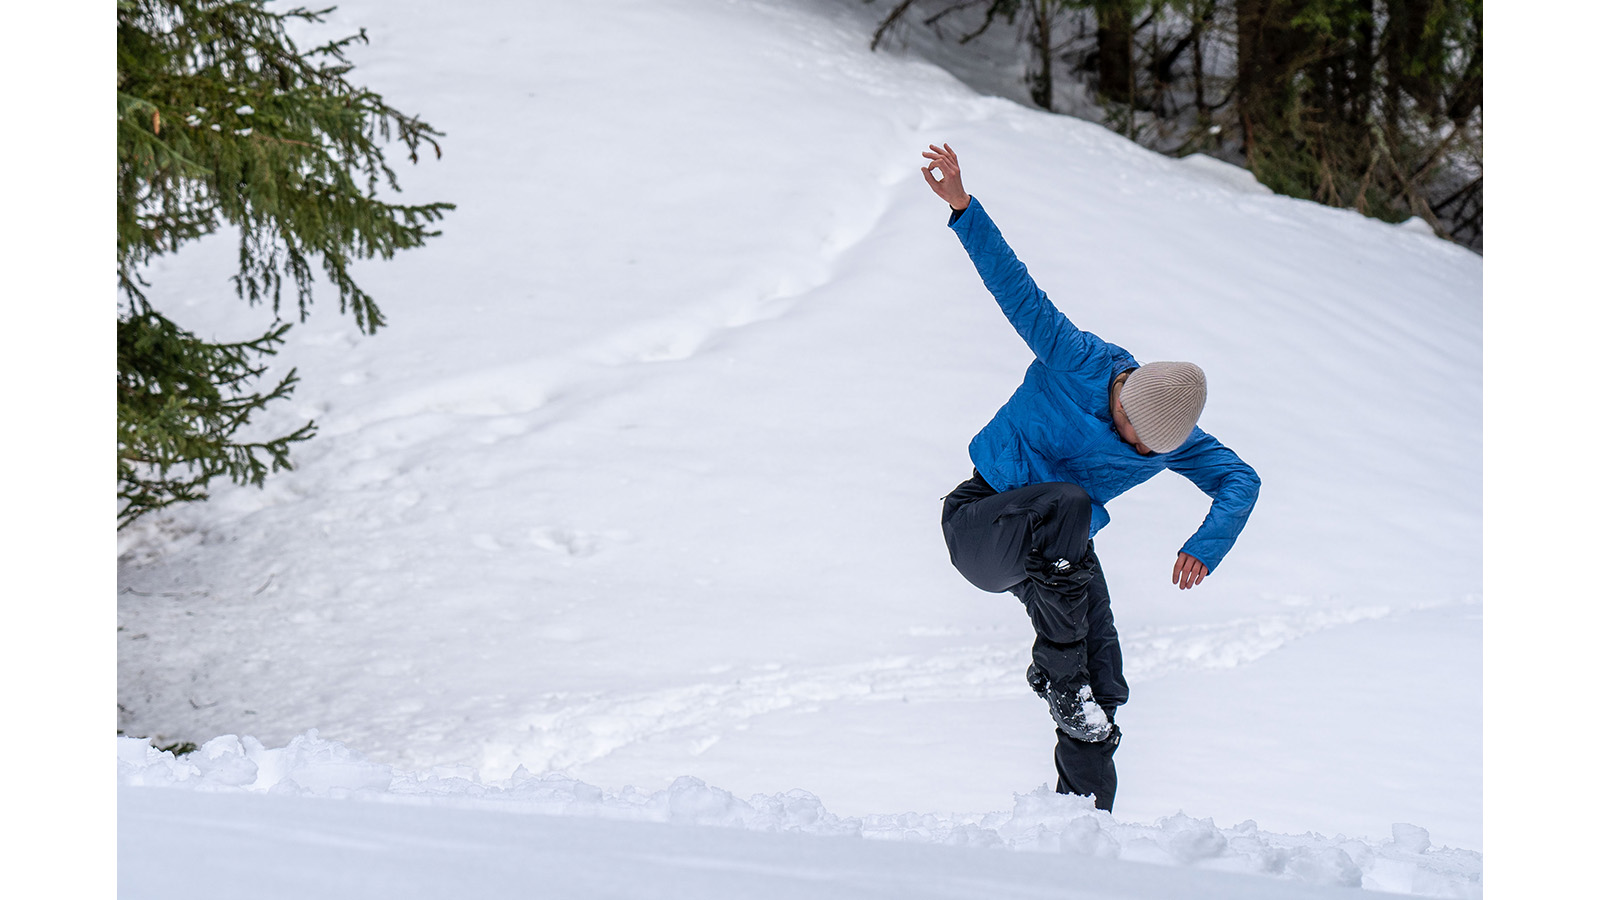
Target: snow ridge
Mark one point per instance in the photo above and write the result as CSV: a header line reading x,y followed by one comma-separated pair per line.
x,y
1040,821
570,730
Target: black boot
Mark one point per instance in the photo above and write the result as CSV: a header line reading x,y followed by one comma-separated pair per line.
x,y
1073,707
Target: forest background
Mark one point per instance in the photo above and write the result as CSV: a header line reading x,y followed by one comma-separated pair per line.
x,y
1375,105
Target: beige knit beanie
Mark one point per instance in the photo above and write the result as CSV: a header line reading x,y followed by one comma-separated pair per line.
x,y
1163,401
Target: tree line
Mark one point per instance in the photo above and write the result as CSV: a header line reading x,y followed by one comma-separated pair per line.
x,y
1373,105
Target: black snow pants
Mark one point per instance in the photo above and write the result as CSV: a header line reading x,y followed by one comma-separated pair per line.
x,y
991,536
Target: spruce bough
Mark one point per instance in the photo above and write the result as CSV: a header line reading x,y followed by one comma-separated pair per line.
x,y
221,119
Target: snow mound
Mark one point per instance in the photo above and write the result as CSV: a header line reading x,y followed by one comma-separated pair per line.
x,y
1417,224
1236,177
1039,821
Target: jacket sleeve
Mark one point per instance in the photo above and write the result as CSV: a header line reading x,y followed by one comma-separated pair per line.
x,y
1231,484
1049,334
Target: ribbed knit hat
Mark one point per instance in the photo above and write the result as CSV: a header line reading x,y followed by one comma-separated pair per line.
x,y
1163,401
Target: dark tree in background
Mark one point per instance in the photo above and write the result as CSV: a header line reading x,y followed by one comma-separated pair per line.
x,y
1113,50
1364,104
1375,105
221,119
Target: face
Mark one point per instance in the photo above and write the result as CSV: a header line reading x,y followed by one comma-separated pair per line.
x,y
1125,428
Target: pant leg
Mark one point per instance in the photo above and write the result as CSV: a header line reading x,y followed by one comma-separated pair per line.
x,y
1087,769
1082,767
1105,650
991,537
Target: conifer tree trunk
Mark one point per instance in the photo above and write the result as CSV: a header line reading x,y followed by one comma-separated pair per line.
x,y
1197,34
1411,48
1114,46
1041,84
1365,65
1271,49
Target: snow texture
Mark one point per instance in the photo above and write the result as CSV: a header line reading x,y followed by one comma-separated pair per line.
x,y
1040,821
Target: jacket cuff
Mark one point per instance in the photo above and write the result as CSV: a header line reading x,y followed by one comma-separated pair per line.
x,y
1206,557
957,213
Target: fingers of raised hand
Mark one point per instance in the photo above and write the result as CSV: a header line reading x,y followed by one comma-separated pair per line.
x,y
943,156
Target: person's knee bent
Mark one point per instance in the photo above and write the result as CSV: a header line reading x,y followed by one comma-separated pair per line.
x,y
1062,523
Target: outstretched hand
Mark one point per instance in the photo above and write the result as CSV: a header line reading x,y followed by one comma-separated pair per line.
x,y
948,186
1188,572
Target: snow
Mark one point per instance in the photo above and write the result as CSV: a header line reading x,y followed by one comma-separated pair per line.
x,y
421,809
1242,179
640,484
1093,716
339,849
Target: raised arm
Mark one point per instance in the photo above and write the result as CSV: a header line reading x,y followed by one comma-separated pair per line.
x,y
1049,334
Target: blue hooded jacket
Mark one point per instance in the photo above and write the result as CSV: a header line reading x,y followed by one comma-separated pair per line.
x,y
1057,425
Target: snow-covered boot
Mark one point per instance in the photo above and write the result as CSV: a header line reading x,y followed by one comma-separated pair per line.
x,y
1072,706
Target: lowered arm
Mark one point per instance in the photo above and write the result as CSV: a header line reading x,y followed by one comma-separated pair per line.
x,y
1231,484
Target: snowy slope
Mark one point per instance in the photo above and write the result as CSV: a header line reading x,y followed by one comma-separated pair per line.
x,y
642,479
202,844
329,820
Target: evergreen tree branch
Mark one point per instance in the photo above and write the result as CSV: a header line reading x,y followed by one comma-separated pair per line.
x,y
221,118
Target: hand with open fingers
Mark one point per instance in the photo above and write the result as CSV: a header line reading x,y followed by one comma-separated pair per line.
x,y
1188,572
948,185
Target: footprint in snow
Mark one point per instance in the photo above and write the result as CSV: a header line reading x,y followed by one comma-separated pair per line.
x,y
574,541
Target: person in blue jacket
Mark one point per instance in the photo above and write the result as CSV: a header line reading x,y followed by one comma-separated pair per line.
x,y
1088,423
